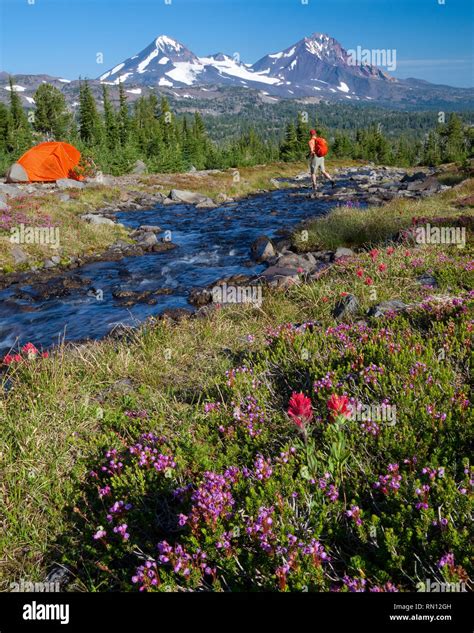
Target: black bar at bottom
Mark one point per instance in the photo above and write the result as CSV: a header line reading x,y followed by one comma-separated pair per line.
x,y
236,613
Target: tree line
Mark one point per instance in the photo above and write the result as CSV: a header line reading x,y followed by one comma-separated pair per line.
x,y
115,137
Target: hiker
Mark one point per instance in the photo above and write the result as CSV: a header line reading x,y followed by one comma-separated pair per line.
x,y
318,149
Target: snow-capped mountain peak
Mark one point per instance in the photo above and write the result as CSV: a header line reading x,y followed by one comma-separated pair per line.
x,y
316,66
164,43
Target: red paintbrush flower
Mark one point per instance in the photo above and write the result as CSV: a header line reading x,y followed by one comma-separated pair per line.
x,y
300,409
382,267
339,405
359,272
368,281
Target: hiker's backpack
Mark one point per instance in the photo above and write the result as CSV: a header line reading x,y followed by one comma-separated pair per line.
x,y
320,147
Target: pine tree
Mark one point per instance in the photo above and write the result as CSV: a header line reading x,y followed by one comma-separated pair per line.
x,y
289,147
453,147
431,150
90,129
20,137
110,121
52,118
123,116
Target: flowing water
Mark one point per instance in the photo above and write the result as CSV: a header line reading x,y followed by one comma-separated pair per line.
x,y
211,244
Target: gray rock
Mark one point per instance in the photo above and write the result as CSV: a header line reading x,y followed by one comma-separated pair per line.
x,y
200,297
206,204
343,252
281,277
64,197
307,262
275,183
139,167
10,190
347,306
150,228
19,255
56,259
48,263
187,197
262,249
17,173
3,204
99,179
427,280
94,218
419,175
69,183
148,240
394,305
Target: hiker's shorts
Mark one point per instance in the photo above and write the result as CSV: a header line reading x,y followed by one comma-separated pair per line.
x,y
317,162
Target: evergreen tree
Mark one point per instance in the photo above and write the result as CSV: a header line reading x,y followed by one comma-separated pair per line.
x,y
110,121
52,118
90,128
431,150
19,130
289,147
123,116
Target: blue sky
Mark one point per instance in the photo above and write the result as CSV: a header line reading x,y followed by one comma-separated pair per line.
x,y
62,37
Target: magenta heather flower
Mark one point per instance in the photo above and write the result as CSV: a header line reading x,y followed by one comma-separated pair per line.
x,y
261,528
213,498
446,560
354,584
122,530
182,562
354,514
262,468
99,534
147,576
250,415
117,509
390,481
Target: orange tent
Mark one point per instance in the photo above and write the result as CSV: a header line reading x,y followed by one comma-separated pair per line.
x,y
51,161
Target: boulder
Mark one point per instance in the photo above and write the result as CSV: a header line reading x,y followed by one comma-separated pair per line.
x,y
150,228
394,305
200,297
343,252
206,204
99,179
69,183
64,197
428,280
17,173
11,190
419,175
347,306
281,277
94,218
306,262
3,203
139,167
187,197
19,255
147,240
262,249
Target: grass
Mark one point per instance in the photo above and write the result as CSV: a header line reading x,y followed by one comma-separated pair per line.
x,y
353,227
58,415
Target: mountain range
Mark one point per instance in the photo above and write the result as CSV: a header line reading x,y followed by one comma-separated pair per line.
x,y
315,68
